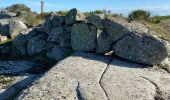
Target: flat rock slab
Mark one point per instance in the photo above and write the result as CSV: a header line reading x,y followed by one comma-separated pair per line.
x,y
76,77
129,81
18,67
87,76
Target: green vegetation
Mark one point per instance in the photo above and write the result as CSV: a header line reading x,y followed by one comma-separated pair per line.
x,y
18,7
93,12
141,15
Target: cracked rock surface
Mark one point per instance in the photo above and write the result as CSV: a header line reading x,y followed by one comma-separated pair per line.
x,y
87,76
129,81
73,78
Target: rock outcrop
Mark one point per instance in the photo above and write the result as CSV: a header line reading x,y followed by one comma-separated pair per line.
x,y
89,76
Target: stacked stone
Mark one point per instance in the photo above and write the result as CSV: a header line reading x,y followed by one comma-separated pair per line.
x,y
61,34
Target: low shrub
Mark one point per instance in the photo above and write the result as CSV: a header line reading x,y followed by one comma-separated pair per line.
x,y
140,15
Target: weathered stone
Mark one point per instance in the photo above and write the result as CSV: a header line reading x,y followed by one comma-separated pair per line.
x,y
165,64
7,15
4,27
129,81
76,77
104,42
74,16
18,67
48,23
58,20
96,20
139,48
66,44
20,42
116,29
15,27
135,26
83,37
58,53
37,44
58,35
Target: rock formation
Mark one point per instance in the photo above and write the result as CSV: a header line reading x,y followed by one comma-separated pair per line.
x,y
137,69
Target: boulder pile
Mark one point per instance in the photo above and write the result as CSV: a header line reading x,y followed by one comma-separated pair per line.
x,y
76,32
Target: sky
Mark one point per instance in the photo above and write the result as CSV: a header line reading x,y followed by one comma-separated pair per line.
x,y
156,7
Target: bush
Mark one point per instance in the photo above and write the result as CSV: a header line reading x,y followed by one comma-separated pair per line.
x,y
93,12
141,15
18,7
63,13
32,19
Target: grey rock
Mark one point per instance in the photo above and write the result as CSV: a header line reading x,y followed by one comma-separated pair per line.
x,y
59,53
48,23
83,37
116,29
66,44
15,27
40,29
20,42
135,26
58,20
74,16
129,81
74,78
96,20
4,27
37,44
54,85
58,35
18,67
139,48
104,42
7,15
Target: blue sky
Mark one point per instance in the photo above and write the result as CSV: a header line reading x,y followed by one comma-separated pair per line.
x,y
161,7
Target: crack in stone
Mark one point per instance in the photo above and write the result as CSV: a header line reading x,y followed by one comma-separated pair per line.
x,y
102,77
158,95
79,96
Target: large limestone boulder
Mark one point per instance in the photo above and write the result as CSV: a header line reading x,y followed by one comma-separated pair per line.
x,y
59,53
96,20
83,37
74,16
104,42
15,27
140,48
4,27
37,44
116,29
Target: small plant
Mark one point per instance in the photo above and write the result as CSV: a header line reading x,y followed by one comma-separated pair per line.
x,y
140,15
